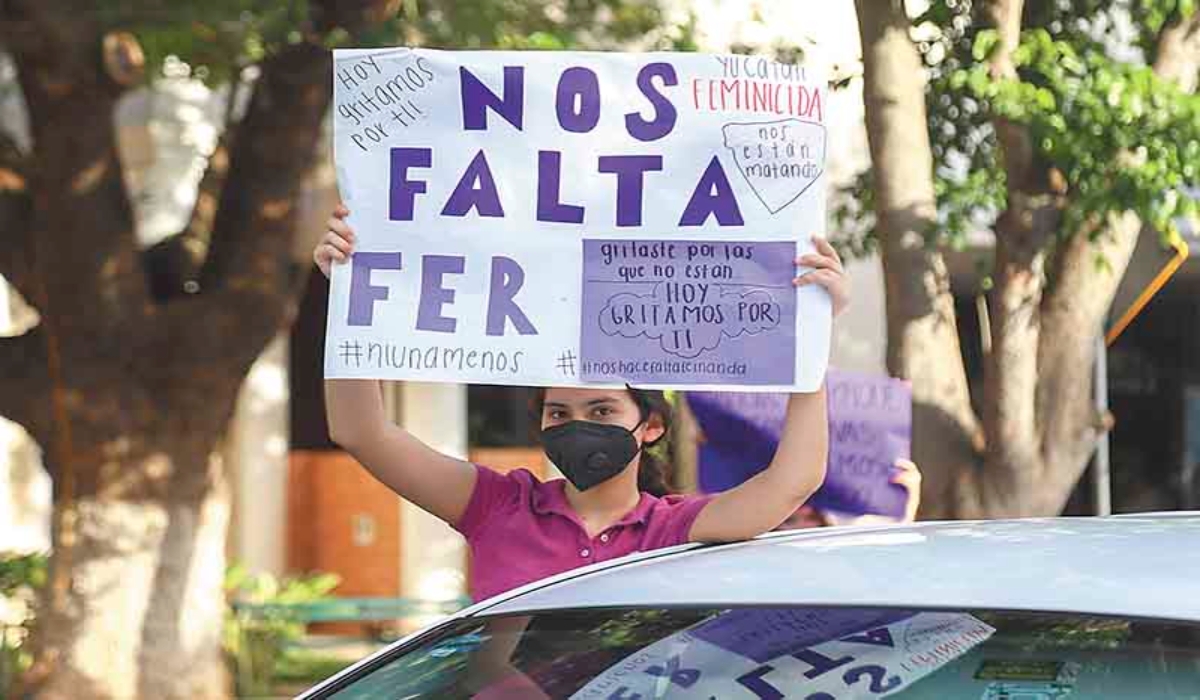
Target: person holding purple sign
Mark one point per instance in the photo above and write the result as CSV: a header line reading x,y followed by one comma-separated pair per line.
x,y
905,475
614,500
869,478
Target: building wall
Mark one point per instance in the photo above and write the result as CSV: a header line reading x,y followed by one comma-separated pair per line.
x,y
433,556
256,451
340,519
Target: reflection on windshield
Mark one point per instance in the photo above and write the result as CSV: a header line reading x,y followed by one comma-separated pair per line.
x,y
828,653
806,653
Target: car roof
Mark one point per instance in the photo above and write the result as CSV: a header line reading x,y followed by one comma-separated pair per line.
x,y
1136,566
1143,566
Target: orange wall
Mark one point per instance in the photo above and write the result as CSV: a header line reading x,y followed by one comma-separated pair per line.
x,y
327,491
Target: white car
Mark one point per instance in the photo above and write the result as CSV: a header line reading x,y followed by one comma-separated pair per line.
x,y
1088,608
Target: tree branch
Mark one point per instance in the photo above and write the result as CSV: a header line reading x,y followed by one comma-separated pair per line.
x,y
923,342
250,279
352,15
250,263
173,265
204,213
25,24
1005,16
1011,369
1023,233
16,244
1075,308
1079,300
1177,55
81,221
23,374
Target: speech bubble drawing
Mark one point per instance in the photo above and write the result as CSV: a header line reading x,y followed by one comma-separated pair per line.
x,y
690,318
780,160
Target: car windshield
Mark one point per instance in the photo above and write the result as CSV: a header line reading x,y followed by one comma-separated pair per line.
x,y
797,652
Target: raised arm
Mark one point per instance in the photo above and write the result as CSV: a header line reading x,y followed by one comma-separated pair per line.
x,y
765,500
798,468
433,481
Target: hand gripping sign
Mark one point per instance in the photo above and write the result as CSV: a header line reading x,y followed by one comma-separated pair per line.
x,y
565,218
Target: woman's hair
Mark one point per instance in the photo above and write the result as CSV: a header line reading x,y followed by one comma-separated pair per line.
x,y
654,472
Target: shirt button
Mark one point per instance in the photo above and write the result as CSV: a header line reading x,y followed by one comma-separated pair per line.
x,y
585,553
604,537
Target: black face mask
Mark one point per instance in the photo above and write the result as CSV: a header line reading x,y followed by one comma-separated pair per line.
x,y
590,453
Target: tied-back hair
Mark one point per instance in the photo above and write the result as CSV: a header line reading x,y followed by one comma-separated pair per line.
x,y
654,471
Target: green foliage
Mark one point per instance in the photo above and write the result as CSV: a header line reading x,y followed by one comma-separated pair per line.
x,y
300,667
1041,633
533,24
256,641
1124,139
21,577
634,627
22,573
1154,14
853,215
219,38
1121,138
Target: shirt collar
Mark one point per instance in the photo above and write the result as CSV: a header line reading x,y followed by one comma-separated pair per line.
x,y
551,498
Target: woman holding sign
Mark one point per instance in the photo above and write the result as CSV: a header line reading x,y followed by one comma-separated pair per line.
x,y
613,501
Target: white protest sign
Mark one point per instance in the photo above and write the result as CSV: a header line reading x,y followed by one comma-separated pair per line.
x,y
854,665
568,218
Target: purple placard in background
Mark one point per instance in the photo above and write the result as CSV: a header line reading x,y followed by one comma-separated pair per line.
x,y
688,312
870,427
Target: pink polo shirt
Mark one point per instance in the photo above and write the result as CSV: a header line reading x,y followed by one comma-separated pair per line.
x,y
521,529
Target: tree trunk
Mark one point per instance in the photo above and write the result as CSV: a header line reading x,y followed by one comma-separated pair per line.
x,y
1075,307
1177,55
922,330
137,606
1039,427
187,608
128,385
1024,232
